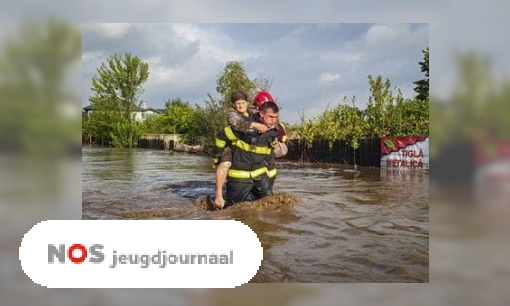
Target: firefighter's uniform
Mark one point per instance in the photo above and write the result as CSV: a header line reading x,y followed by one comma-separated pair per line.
x,y
248,177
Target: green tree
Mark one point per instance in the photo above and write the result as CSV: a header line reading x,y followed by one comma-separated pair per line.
x,y
477,108
415,118
353,125
180,116
156,125
343,122
208,120
117,88
307,129
177,118
422,86
36,62
328,125
390,115
233,77
379,106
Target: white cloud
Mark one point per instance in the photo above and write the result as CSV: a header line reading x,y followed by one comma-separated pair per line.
x,y
213,45
163,74
87,57
394,35
329,77
187,32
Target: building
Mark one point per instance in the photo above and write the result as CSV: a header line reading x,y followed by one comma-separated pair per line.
x,y
139,113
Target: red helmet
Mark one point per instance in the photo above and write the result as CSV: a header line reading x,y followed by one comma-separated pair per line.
x,y
262,97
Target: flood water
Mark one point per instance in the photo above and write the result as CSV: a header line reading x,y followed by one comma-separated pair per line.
x,y
349,225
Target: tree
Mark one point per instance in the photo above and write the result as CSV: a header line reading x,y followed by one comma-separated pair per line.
x,y
117,87
422,86
343,122
378,108
233,77
263,83
353,124
179,116
156,125
35,66
477,108
208,121
389,115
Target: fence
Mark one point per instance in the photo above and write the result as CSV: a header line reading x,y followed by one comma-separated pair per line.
x,y
159,141
150,141
339,152
158,144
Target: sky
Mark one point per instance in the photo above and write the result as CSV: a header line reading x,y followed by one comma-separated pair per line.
x,y
311,65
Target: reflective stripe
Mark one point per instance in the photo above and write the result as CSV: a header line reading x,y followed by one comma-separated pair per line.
x,y
243,145
220,143
229,133
245,174
253,149
271,173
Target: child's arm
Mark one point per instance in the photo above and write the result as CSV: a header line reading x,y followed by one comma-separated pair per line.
x,y
243,124
238,122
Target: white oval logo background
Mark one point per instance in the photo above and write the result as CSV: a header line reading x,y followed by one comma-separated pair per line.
x,y
141,253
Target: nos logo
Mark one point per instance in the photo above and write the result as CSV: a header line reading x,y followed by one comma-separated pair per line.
x,y
77,253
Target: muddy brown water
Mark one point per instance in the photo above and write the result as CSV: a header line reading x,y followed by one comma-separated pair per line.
x,y
326,223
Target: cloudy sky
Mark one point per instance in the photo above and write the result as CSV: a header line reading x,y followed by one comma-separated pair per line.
x,y
311,65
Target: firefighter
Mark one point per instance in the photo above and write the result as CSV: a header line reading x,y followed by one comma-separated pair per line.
x,y
280,146
240,120
247,178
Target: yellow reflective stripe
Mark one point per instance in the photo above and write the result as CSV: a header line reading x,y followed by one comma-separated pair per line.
x,y
220,143
253,149
229,133
246,174
243,145
271,173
